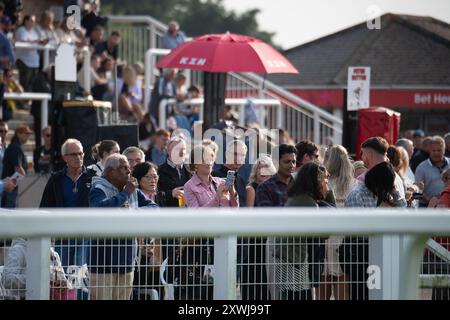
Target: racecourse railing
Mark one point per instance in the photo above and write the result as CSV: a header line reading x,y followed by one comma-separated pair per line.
x,y
392,243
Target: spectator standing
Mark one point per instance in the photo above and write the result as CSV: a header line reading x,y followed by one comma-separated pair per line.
x,y
164,88
373,152
273,193
146,276
92,18
42,154
408,146
7,56
253,250
341,181
173,174
173,37
377,190
157,153
69,188
296,258
262,170
3,132
130,96
202,190
307,152
46,29
101,151
109,47
27,59
41,83
113,261
134,156
15,161
235,154
421,154
429,171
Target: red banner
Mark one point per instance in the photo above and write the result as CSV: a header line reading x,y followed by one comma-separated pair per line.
x,y
391,98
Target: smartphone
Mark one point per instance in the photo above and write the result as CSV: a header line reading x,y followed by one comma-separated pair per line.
x,y
230,176
417,196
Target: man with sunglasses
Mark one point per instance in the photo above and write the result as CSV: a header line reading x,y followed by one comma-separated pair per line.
x,y
69,188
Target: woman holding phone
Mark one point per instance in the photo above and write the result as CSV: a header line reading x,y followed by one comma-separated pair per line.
x,y
202,190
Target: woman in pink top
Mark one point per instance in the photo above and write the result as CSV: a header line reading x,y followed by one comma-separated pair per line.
x,y
204,190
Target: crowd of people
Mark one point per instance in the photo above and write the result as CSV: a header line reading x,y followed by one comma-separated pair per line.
x,y
173,171
190,175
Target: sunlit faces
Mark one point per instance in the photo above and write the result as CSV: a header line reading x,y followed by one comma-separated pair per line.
x,y
287,164
134,158
149,182
437,152
74,156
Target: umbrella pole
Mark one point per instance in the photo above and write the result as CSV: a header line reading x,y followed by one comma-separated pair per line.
x,y
214,85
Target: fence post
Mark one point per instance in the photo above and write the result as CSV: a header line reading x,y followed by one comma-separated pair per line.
x,y
398,258
44,115
384,252
46,58
241,115
152,36
279,116
162,114
412,247
225,251
316,129
87,70
38,268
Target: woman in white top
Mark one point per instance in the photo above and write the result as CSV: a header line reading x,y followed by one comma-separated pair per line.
x,y
100,152
341,181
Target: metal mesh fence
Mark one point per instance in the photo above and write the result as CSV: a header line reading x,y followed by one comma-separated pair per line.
x,y
267,268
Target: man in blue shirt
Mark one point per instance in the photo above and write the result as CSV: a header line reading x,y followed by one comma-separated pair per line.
x,y
6,52
173,37
113,260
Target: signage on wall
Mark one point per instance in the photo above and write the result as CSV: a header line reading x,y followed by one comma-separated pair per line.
x,y
358,88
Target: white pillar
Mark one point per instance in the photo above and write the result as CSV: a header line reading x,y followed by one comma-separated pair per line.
x,y
38,269
225,251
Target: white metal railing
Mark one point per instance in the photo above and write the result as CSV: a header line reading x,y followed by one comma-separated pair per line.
x,y
43,97
403,236
260,104
34,46
137,40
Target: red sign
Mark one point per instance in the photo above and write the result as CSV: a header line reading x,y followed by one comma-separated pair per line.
x,y
391,98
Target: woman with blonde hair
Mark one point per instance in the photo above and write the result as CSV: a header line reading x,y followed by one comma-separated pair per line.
x,y
341,173
262,170
202,190
341,181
